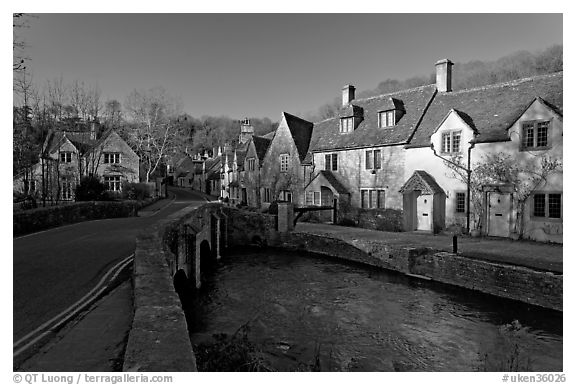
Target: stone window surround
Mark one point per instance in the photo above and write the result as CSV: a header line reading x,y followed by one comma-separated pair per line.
x,y
112,158
546,217
373,159
380,197
452,134
456,211
331,162
284,162
65,157
534,124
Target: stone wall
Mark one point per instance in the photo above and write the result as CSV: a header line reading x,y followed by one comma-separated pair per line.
x,y
30,221
513,282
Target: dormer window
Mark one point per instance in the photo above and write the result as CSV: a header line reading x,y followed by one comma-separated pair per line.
x,y
386,118
346,125
451,142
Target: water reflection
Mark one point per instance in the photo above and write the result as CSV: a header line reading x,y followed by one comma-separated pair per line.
x,y
304,308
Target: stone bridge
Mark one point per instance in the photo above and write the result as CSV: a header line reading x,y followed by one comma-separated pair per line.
x,y
171,256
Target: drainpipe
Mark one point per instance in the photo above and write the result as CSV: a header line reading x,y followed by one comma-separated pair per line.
x,y
468,171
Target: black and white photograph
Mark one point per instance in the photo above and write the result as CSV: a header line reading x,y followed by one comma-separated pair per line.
x,y
303,191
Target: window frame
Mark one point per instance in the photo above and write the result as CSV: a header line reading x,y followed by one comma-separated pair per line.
x,y
463,194
67,190
535,134
284,160
112,158
114,181
451,134
251,164
375,157
546,216
267,196
378,193
349,126
331,162
67,155
385,117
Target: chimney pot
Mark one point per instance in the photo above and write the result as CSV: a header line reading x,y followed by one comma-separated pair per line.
x,y
348,94
444,75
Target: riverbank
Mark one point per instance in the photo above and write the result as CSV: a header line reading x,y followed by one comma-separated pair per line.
x,y
494,267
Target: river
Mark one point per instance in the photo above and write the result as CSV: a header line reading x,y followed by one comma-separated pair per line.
x,y
301,311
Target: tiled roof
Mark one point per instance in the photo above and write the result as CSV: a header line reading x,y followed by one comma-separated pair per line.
x,y
261,144
333,180
269,135
414,101
422,181
301,131
491,110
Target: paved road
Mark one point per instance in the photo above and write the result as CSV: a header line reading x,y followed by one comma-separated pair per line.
x,y
55,268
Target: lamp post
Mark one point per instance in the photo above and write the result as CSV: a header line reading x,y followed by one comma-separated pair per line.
x,y
468,171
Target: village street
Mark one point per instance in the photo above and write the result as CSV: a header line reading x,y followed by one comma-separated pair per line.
x,y
55,268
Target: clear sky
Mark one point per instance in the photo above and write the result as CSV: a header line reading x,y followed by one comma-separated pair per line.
x,y
262,64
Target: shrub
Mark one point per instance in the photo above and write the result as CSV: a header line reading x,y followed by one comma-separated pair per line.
x,y
91,189
136,191
347,222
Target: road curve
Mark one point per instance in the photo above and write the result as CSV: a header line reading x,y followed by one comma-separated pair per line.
x,y
53,269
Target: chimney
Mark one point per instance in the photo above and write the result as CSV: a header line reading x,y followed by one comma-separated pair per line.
x,y
444,75
93,131
246,131
347,94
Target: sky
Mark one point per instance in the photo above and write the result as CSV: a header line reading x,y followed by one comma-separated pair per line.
x,y
259,65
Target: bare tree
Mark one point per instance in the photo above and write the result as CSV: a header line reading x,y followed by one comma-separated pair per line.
x,y
153,127
499,168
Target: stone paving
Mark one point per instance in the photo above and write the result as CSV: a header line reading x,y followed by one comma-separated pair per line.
x,y
540,256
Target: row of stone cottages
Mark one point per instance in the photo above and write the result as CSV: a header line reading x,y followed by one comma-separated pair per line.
x,y
67,155
398,151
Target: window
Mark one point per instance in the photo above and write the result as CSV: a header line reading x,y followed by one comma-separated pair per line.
x,y
111,157
66,157
372,199
284,162
267,195
285,195
309,198
386,118
547,205
251,164
346,125
535,135
112,183
460,202
331,162
66,191
451,142
317,198
373,160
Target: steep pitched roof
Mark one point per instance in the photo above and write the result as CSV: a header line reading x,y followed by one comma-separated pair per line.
x,y
492,109
422,181
327,136
301,131
261,144
333,180
269,135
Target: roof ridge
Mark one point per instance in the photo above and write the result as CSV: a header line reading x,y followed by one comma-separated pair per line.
x,y
380,96
507,83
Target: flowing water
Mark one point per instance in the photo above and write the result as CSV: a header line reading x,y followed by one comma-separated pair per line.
x,y
303,309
